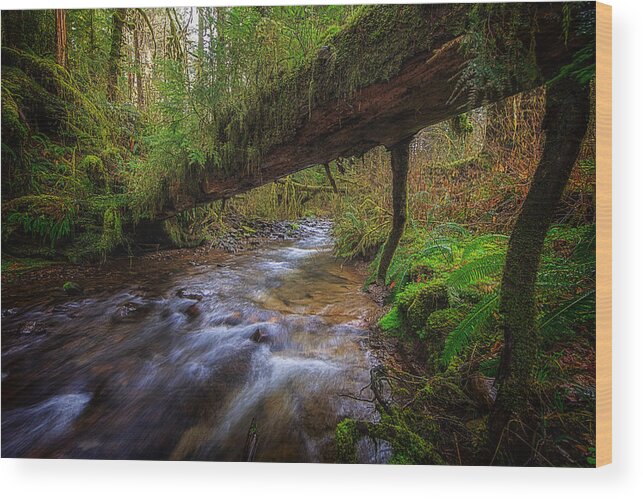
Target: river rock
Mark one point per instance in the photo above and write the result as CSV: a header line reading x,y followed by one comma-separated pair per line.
x,y
189,295
193,311
276,337
260,335
128,310
32,327
7,312
233,319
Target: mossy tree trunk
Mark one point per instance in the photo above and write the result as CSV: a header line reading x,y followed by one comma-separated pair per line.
x,y
331,180
140,97
565,123
61,37
399,168
115,53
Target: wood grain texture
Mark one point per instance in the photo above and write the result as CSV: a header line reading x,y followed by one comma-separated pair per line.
x,y
603,234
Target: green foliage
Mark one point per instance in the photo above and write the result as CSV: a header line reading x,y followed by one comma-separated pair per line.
x,y
562,319
72,288
359,235
443,321
391,322
50,218
424,255
418,301
473,324
461,125
112,235
58,129
95,170
409,446
499,57
480,270
346,437
438,325
583,65
467,270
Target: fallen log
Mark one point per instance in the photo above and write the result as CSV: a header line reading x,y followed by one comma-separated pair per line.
x,y
393,71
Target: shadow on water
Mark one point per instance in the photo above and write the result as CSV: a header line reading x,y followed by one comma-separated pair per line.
x,y
169,361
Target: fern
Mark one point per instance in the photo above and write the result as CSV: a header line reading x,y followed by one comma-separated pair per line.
x,y
399,271
357,234
484,244
577,309
564,274
451,230
443,247
472,324
488,266
45,216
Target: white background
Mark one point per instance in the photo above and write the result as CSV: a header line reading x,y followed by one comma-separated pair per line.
x,y
111,479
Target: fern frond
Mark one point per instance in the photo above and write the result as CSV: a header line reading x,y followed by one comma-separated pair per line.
x,y
472,324
450,228
485,244
443,249
577,309
399,271
485,267
564,274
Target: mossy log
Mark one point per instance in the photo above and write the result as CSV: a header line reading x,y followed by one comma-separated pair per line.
x,y
391,72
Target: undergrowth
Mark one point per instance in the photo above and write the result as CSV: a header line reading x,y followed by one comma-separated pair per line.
x,y
444,293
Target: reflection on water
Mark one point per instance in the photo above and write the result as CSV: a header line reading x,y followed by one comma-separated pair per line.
x,y
175,362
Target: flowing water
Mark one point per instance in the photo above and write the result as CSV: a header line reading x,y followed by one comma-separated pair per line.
x,y
168,359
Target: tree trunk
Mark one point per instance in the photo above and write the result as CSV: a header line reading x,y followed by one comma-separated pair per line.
x,y
201,31
115,53
13,29
330,178
92,36
61,37
565,123
399,168
139,69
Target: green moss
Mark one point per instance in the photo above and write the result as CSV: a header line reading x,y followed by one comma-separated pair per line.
x,y
72,288
461,124
409,446
48,217
419,300
45,89
391,321
112,234
438,325
422,270
18,266
180,236
442,322
472,294
95,170
14,130
245,130
346,437
112,157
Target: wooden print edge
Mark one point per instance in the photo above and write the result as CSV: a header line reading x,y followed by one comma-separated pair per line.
x,y
603,234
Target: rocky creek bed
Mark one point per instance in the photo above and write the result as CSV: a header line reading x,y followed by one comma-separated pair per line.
x,y
190,354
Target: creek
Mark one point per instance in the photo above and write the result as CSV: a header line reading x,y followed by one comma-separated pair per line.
x,y
177,359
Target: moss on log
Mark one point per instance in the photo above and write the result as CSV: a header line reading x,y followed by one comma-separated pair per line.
x,y
390,72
